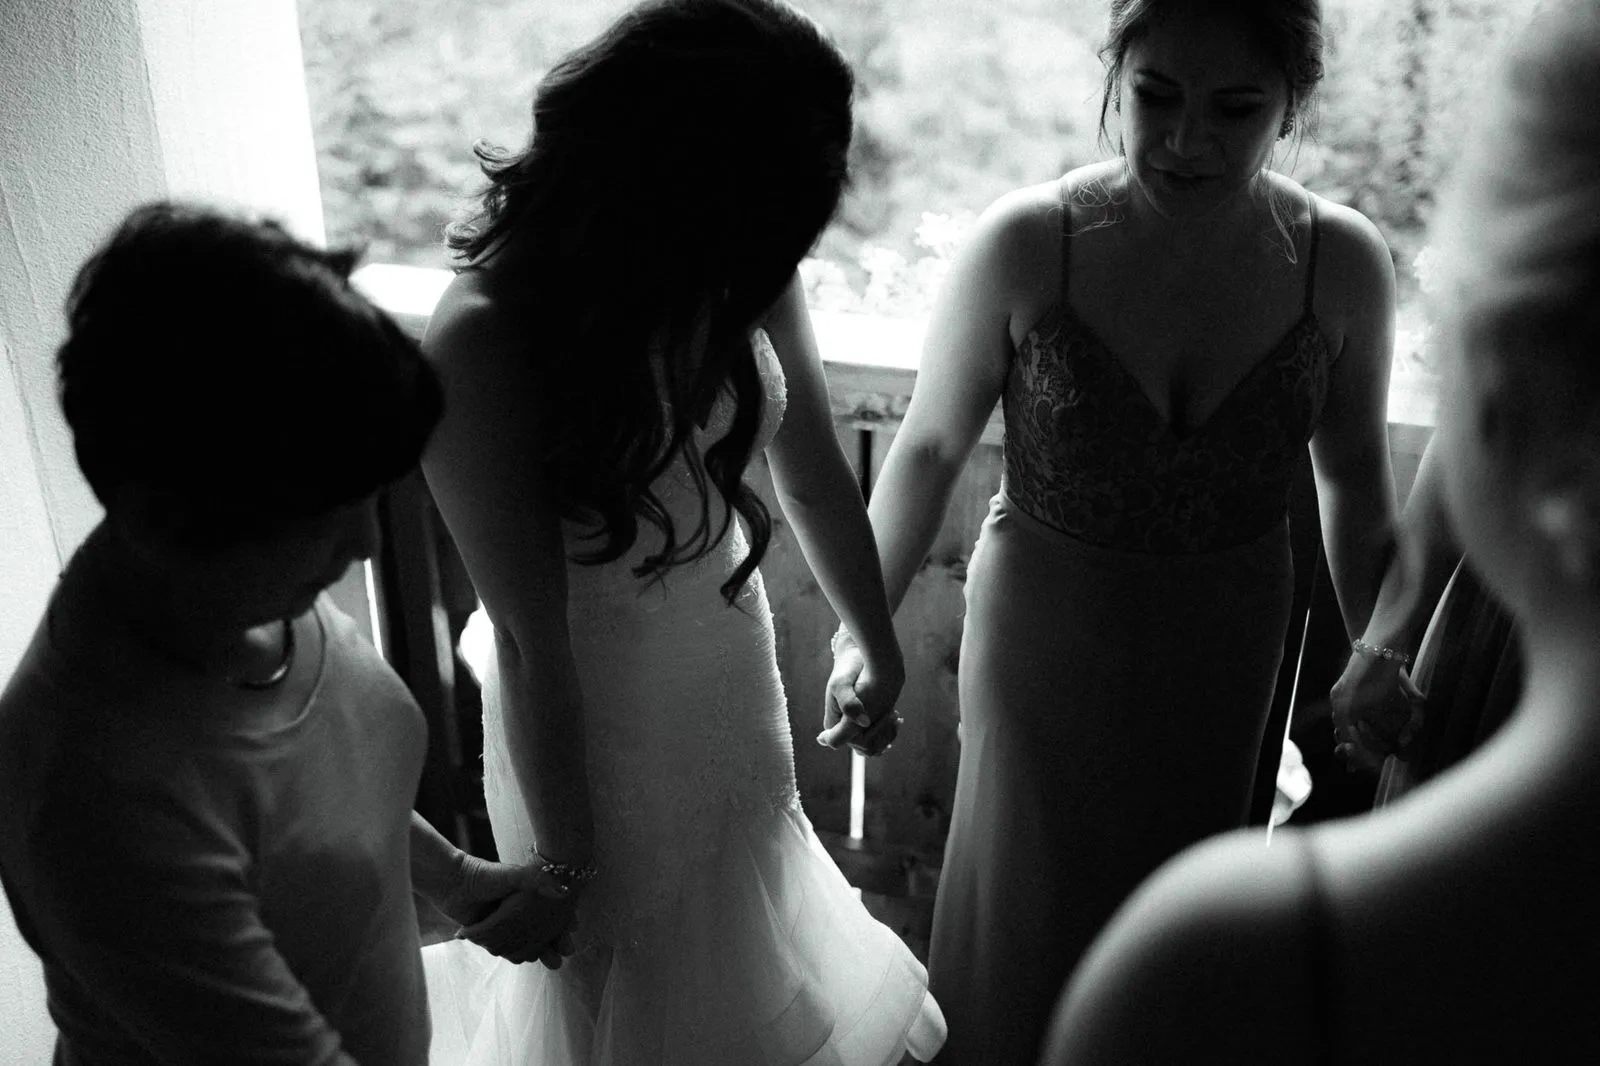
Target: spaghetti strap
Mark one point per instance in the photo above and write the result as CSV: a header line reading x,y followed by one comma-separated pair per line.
x,y
1064,198
1311,255
1322,949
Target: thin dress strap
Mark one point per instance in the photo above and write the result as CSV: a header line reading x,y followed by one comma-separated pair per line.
x,y
1322,950
1311,255
1064,198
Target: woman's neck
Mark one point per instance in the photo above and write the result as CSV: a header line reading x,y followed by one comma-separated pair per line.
x,y
1206,235
196,631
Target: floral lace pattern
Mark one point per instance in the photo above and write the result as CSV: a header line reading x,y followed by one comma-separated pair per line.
x,y
1087,453
686,725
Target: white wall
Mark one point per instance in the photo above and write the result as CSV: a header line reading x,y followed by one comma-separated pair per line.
x,y
106,104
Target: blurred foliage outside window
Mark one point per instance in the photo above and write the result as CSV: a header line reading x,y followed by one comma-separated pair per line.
x,y
957,102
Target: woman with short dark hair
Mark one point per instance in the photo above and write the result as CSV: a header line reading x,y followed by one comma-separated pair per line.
x,y
206,773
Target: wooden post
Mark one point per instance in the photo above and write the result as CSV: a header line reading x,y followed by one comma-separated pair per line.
x,y
417,640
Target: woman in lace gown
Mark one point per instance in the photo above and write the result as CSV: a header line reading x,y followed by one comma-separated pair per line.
x,y
1166,331
628,334
1460,924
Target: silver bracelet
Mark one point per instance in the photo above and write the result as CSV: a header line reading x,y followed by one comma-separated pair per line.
x,y
566,873
1378,652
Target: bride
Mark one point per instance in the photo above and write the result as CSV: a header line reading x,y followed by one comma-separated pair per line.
x,y
628,331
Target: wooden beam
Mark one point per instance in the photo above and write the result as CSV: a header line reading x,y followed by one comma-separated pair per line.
x,y
418,645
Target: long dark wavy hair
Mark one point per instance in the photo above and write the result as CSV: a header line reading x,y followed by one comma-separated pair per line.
x,y
680,166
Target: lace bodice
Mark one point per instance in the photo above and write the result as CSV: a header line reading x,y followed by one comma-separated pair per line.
x,y
1087,453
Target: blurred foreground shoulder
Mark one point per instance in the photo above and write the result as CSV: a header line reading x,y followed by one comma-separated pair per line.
x,y
1206,962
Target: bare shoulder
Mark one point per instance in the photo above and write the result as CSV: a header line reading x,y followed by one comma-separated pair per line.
x,y
1096,195
1348,235
1207,957
1355,269
1232,875
1097,186
1232,885
1348,242
1036,203
1012,258
468,322
1023,224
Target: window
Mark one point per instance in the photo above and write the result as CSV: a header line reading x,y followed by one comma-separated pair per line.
x,y
958,101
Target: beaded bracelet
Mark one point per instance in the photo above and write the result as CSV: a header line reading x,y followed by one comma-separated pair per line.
x,y
566,873
841,633
1378,652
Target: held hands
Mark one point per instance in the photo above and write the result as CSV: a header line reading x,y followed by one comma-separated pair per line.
x,y
515,912
858,708
1377,711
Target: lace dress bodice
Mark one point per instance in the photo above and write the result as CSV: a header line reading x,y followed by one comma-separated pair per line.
x,y
1088,454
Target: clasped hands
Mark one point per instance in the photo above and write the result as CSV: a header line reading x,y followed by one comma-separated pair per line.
x,y
1377,712
858,709
516,912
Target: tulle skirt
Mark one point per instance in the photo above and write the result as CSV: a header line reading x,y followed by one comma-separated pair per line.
x,y
767,957
719,932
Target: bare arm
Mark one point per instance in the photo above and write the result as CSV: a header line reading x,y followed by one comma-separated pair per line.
x,y
1350,449
960,379
1426,557
819,494
505,517
513,911
1375,707
435,862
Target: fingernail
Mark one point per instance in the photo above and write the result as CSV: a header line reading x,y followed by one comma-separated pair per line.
x,y
861,720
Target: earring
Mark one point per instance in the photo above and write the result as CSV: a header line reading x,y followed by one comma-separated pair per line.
x,y
1287,127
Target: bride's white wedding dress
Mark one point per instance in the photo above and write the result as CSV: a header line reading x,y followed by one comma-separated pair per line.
x,y
718,931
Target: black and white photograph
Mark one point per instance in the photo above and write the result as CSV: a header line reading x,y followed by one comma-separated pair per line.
x,y
799,532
